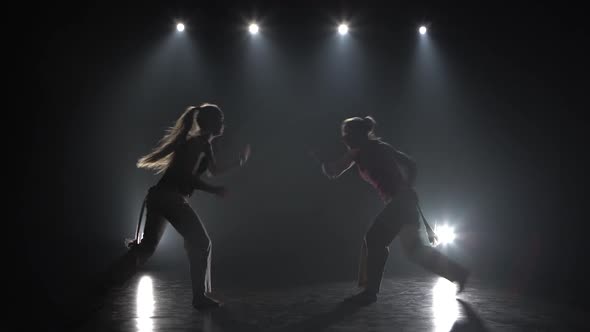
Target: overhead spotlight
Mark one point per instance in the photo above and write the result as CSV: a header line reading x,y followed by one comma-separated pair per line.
x,y
253,28
422,30
343,29
180,27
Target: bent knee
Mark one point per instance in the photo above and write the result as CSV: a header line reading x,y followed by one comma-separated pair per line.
x,y
198,244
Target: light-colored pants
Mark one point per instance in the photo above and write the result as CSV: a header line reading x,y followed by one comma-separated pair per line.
x,y
163,205
400,216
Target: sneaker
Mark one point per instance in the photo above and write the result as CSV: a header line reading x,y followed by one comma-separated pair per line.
x,y
206,303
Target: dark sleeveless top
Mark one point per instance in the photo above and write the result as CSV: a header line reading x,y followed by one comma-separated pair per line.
x,y
376,163
189,163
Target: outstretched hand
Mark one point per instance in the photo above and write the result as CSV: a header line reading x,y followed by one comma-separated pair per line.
x,y
432,237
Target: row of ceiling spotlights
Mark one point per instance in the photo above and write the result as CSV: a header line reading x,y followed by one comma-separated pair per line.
x,y
253,28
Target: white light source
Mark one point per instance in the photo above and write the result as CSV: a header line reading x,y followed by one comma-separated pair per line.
x,y
253,28
180,27
422,30
445,234
145,304
343,29
445,307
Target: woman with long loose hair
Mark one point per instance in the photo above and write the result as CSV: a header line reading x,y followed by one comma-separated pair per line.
x,y
182,156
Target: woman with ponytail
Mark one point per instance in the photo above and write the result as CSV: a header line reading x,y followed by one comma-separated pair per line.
x,y
392,173
183,155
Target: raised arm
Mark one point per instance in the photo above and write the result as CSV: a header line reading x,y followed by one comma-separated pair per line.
x,y
336,168
215,168
204,153
206,187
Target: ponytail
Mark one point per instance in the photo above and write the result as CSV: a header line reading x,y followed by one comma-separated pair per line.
x,y
159,159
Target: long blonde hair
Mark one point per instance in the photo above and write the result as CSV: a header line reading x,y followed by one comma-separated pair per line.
x,y
160,158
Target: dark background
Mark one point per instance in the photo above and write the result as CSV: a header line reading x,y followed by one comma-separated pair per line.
x,y
489,103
